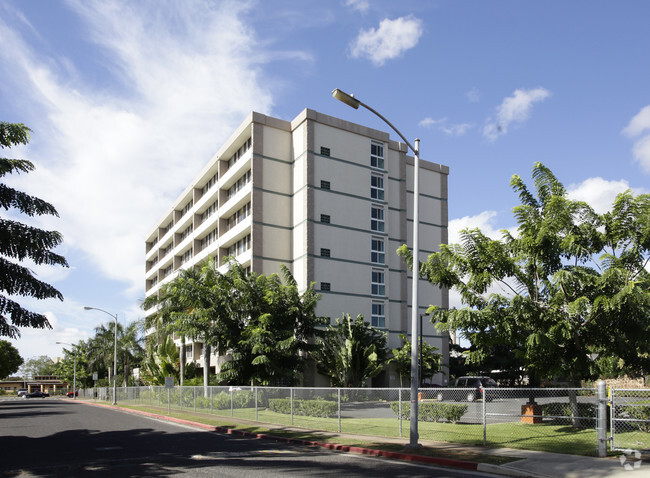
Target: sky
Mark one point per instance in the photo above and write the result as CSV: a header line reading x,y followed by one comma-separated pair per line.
x,y
127,101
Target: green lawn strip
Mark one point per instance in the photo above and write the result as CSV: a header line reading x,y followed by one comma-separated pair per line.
x,y
541,437
323,437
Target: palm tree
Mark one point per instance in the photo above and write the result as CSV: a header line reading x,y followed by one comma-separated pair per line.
x,y
195,305
101,348
130,347
352,352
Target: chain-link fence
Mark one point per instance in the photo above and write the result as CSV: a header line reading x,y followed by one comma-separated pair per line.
x,y
630,419
566,420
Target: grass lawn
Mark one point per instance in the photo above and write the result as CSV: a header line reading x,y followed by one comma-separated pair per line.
x,y
543,437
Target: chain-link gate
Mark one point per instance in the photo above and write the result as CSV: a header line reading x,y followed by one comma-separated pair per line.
x,y
630,419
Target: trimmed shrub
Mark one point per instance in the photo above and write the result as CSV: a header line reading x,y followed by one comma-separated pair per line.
x,y
641,413
432,412
308,408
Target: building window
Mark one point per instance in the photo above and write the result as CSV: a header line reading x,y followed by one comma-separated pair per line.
x,y
240,152
378,283
187,207
239,216
166,250
210,210
377,187
377,218
325,218
239,185
377,254
209,239
186,256
186,233
324,151
324,252
377,155
325,286
325,185
167,228
378,317
166,271
239,247
211,182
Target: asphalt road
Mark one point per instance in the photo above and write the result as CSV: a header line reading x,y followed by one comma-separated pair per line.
x,y
56,437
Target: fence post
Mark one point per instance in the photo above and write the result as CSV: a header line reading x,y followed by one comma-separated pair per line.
x,y
399,415
338,393
210,400
485,393
291,400
602,418
194,396
256,409
232,412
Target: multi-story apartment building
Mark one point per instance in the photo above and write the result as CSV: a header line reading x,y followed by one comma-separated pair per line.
x,y
330,199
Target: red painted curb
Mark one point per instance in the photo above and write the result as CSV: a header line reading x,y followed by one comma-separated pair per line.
x,y
465,465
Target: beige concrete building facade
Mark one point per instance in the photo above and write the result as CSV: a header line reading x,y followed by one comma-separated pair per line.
x,y
330,199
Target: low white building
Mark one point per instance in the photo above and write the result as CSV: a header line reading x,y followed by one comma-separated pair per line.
x,y
330,199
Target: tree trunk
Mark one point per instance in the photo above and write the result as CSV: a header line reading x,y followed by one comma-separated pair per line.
x,y
206,369
576,422
182,359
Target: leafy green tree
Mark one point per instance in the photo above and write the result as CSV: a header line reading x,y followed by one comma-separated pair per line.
x,y
429,365
19,242
195,304
162,309
278,323
101,349
130,353
130,350
10,359
162,360
351,352
571,285
37,366
65,369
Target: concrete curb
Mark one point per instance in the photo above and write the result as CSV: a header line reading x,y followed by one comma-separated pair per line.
x,y
501,470
450,462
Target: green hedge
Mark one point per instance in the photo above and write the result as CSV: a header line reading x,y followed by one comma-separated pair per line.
x,y
432,412
308,408
585,415
563,409
637,412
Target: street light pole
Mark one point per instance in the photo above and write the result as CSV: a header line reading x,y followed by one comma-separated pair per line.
x,y
114,352
353,102
74,372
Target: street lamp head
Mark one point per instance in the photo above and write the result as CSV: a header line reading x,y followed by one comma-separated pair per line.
x,y
349,100
88,308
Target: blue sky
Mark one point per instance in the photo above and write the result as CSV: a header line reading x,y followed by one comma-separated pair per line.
x,y
129,100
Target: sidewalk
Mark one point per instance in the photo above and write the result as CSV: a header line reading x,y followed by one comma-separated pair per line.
x,y
531,464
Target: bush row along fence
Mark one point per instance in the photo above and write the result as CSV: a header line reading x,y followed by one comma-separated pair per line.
x,y
565,420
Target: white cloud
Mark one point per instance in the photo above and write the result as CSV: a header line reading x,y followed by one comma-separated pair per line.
x,y
359,5
513,109
473,95
485,221
112,161
456,129
600,193
389,41
638,125
429,122
441,124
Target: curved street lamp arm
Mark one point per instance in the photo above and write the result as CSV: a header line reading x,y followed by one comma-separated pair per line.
x,y
353,102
